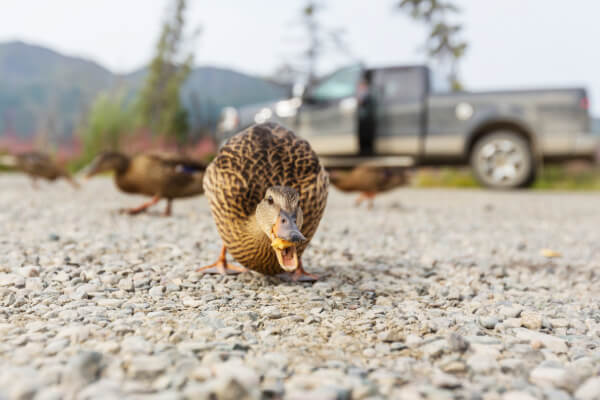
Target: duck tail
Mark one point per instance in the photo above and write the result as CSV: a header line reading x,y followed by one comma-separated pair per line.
x,y
8,160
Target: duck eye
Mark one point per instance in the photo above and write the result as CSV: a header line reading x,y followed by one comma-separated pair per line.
x,y
270,200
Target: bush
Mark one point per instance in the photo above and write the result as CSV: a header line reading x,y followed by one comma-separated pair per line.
x,y
109,122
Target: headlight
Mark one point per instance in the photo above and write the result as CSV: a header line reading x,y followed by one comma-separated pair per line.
x,y
263,115
287,108
229,119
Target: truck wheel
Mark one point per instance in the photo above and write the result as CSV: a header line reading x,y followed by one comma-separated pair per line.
x,y
503,160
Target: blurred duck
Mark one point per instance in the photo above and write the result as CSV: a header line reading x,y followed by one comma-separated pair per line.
x,y
37,165
368,180
161,176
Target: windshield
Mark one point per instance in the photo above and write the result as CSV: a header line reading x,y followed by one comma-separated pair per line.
x,y
339,85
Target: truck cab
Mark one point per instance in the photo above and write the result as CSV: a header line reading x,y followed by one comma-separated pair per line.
x,y
391,117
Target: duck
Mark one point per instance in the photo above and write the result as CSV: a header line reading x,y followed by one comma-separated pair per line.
x,y
37,165
368,180
267,192
158,175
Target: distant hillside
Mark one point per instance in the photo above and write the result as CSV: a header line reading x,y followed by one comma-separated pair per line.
x,y
44,91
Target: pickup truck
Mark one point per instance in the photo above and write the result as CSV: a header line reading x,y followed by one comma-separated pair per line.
x,y
504,135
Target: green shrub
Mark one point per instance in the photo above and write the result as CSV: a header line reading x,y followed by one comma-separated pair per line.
x,y
110,120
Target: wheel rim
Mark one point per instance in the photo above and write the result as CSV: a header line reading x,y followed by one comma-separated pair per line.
x,y
502,162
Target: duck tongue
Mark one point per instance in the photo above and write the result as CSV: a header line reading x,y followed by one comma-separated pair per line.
x,y
287,256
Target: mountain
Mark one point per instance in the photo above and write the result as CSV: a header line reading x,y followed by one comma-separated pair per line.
x,y
43,91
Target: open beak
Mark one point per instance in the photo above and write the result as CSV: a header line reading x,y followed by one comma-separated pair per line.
x,y
89,171
285,236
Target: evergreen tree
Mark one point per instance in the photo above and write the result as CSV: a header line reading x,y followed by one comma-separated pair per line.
x,y
443,42
159,101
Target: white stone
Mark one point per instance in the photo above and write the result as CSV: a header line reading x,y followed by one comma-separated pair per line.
x,y
590,390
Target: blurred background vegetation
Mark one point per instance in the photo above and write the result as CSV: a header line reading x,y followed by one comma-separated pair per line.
x,y
79,108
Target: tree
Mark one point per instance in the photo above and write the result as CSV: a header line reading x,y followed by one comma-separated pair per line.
x,y
319,41
159,101
108,123
443,42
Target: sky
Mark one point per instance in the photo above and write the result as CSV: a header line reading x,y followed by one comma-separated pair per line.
x,y
512,43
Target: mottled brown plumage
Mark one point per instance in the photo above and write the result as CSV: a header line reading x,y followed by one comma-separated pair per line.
x,y
264,160
369,180
161,176
37,165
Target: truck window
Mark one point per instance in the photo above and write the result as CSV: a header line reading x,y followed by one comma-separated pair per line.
x,y
402,84
340,85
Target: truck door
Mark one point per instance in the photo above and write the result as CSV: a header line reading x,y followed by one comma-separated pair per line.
x,y
400,109
327,118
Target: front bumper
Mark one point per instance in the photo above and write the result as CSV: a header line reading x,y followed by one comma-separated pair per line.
x,y
586,145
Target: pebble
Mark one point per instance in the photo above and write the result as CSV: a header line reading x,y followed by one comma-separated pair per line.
x,y
488,322
589,390
531,320
482,363
553,343
430,309
517,395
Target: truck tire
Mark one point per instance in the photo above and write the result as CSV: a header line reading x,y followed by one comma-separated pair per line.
x,y
503,160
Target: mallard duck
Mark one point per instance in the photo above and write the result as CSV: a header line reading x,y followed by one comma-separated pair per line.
x,y
368,180
37,165
267,192
161,176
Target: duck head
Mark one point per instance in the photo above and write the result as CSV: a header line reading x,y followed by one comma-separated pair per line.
x,y
280,217
106,161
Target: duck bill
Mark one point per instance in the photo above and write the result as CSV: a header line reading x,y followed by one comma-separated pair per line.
x,y
287,258
91,170
285,236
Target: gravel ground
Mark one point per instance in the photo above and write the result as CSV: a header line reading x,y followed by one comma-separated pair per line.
x,y
433,294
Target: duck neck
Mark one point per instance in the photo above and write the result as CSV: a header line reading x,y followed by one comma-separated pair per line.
x,y
121,163
253,229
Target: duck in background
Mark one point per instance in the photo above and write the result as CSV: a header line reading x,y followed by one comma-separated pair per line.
x,y
369,180
37,165
160,176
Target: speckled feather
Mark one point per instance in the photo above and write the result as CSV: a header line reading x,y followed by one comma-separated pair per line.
x,y
369,179
40,165
162,175
235,182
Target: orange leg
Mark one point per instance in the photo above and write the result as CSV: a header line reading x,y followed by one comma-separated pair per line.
x,y
370,197
72,182
143,207
168,209
360,199
301,275
221,266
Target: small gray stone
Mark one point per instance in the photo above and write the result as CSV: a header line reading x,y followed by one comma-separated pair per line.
x,y
590,390
557,377
531,320
553,343
482,363
517,395
156,291
136,345
81,370
488,322
147,367
457,343
126,284
446,381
